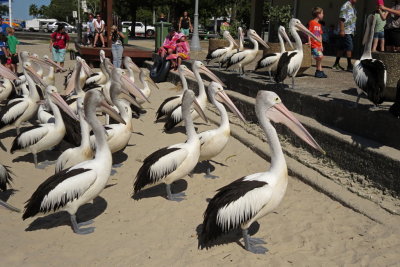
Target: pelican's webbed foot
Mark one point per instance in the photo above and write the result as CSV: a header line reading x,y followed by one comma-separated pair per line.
x,y
178,197
250,243
81,231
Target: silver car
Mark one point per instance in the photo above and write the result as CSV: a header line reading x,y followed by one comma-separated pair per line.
x,y
52,27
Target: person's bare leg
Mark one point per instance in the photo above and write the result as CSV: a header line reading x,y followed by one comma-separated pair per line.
x,y
96,37
318,63
102,39
374,44
383,45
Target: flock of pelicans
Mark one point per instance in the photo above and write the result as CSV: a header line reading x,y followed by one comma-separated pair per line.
x,y
82,171
369,74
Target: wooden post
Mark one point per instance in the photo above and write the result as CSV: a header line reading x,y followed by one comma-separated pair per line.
x,y
256,17
109,19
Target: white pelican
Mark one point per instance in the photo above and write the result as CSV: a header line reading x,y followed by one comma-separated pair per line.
x,y
250,198
100,77
44,136
70,79
290,62
73,187
50,79
23,109
174,162
214,141
131,68
145,80
5,180
175,117
228,55
7,73
270,60
171,103
6,88
118,135
84,152
220,52
370,74
241,59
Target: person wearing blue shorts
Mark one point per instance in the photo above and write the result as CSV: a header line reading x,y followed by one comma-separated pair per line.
x,y
59,44
379,32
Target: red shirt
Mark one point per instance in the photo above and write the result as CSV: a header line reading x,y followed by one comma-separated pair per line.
x,y
316,29
60,39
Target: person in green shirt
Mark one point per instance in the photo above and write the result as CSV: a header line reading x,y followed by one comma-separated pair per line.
x,y
12,42
379,33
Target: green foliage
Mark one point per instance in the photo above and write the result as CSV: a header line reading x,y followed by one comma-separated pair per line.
x,y
3,10
37,12
278,14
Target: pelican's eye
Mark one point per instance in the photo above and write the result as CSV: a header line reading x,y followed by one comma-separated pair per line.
x,y
277,99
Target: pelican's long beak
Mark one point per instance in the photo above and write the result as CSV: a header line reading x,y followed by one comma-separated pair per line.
x,y
302,28
36,78
280,114
149,80
199,110
134,67
7,73
230,38
222,97
261,41
286,37
57,99
51,63
189,73
110,111
86,68
133,89
71,83
211,75
125,94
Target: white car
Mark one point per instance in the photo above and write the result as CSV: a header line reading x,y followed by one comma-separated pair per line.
x,y
139,28
52,27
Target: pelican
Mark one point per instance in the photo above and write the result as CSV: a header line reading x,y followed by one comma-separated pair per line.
x,y
73,187
118,135
100,77
169,104
131,68
6,88
174,162
5,180
145,80
7,73
220,52
23,109
241,59
84,152
71,79
214,141
44,136
270,60
50,79
370,74
290,62
229,54
250,198
175,117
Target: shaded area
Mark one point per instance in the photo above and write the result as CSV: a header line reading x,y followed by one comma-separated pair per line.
x,y
160,190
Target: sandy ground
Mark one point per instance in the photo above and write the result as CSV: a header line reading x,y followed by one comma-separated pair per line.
x,y
308,229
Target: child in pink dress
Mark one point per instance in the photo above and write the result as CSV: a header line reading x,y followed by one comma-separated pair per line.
x,y
169,45
182,51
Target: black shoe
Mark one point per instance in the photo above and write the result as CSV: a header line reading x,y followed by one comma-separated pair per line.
x,y
319,74
350,68
337,67
324,75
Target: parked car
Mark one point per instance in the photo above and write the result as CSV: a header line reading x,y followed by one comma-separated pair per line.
x,y
52,27
140,28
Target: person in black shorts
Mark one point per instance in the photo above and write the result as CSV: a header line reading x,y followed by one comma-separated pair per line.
x,y
4,53
392,28
185,25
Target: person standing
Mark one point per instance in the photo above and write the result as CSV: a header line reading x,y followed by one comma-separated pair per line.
x,y
317,48
162,18
117,48
3,27
379,34
12,42
185,25
89,35
347,28
99,26
392,28
59,44
4,52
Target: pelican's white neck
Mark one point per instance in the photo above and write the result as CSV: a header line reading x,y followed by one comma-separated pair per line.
x,y
296,36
